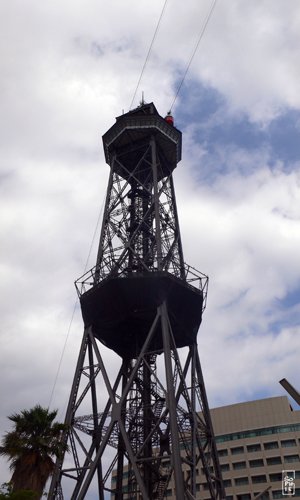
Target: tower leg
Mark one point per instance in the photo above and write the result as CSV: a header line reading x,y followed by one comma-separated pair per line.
x,y
171,401
154,430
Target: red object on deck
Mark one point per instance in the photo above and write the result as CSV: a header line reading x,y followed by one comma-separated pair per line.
x,y
169,119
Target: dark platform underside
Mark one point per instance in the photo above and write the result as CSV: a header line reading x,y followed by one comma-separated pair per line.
x,y
122,310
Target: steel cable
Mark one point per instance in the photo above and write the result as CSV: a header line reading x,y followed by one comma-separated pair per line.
x,y
74,307
149,51
194,51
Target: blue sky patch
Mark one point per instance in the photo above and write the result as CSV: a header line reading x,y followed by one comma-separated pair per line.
x,y
291,299
216,128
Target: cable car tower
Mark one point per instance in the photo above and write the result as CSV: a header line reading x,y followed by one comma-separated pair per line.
x,y
143,433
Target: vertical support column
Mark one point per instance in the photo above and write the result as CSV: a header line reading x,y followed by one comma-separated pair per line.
x,y
56,478
194,419
121,446
146,224
95,416
176,458
132,226
105,215
217,490
147,466
156,204
177,235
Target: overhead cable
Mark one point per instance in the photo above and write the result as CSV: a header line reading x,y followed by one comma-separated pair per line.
x,y
204,26
74,309
149,51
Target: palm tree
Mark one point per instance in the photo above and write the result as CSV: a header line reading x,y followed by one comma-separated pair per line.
x,y
32,447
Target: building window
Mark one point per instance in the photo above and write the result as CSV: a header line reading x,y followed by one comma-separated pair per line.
x,y
240,481
229,497
256,463
259,479
287,428
245,496
222,453
274,460
291,458
237,450
227,483
239,465
253,447
225,467
276,477
264,496
278,494
286,443
272,445
258,432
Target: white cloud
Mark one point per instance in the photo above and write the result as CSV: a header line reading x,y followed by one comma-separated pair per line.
x,y
253,56
243,231
68,68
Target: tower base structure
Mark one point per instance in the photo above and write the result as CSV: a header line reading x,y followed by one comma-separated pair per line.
x,y
141,430
155,429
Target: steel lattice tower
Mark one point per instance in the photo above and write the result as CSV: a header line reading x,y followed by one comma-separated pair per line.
x,y
151,425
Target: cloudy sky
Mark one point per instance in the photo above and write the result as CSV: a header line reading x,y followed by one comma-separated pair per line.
x,y
67,70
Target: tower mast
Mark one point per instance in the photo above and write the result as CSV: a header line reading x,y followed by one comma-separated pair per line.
x,y
142,434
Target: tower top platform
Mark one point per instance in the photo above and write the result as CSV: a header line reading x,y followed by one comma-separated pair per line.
x,y
132,129
140,262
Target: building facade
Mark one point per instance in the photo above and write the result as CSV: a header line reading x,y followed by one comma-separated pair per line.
x,y
257,442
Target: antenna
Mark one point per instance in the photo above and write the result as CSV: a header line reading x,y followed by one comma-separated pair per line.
x,y
142,102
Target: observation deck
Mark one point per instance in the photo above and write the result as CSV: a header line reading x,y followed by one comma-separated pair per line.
x,y
131,133
122,308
